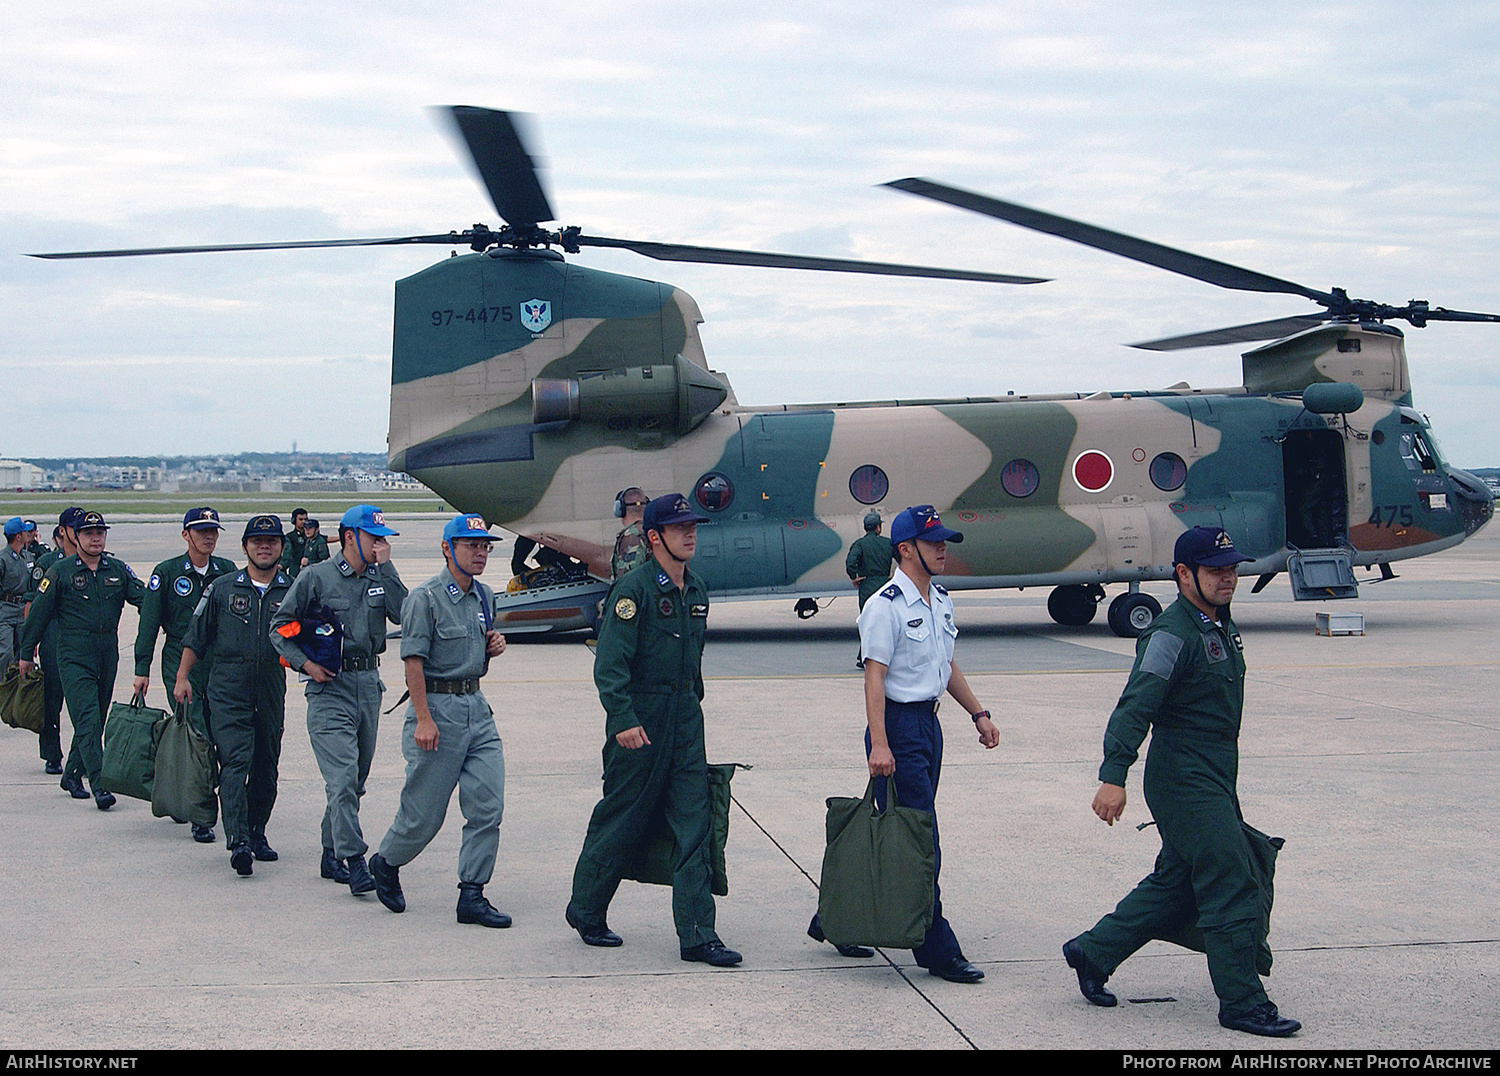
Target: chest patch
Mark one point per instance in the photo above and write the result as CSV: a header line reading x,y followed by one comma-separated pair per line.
x,y
1214,647
698,611
1239,644
665,607
917,623
183,586
80,581
239,605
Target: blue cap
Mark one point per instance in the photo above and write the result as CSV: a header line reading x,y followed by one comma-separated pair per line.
x,y
263,527
1208,547
921,521
667,510
467,526
368,518
69,517
200,518
91,521
14,526
28,524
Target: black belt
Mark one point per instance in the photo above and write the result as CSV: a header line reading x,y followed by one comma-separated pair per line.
x,y
451,687
928,705
360,663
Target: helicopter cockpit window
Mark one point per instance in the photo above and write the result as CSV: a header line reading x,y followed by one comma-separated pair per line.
x,y
714,492
1414,448
1168,471
1020,478
868,484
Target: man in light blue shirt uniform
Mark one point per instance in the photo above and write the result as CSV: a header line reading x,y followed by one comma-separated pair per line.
x,y
906,634
449,740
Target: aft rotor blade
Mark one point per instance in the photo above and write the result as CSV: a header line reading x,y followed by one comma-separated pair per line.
x,y
452,238
1237,334
1439,313
677,252
1126,246
506,167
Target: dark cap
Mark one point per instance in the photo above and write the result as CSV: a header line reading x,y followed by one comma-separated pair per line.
x,y
667,510
201,518
69,517
91,521
1208,547
921,522
263,527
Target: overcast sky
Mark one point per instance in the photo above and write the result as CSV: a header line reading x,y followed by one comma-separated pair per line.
x,y
1334,144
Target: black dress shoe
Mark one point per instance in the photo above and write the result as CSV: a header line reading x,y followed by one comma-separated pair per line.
x,y
333,868
103,800
473,908
360,879
387,883
1261,1020
261,850
72,784
959,971
714,953
54,768
815,932
203,834
599,935
1090,979
241,859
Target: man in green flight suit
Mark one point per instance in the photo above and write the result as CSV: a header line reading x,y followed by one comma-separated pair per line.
x,y
15,584
172,593
314,545
868,566
648,669
49,739
246,688
1188,686
296,544
85,594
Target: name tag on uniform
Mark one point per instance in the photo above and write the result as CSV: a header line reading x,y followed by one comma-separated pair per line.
x,y
375,592
698,611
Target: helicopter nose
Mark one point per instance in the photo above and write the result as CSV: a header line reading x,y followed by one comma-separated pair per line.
x,y
1475,501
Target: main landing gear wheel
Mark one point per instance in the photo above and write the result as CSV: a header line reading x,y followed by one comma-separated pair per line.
x,y
1074,606
1131,614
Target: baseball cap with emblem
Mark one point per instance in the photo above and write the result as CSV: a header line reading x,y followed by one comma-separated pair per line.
x,y
467,526
667,510
69,517
921,521
91,521
1207,547
200,518
14,526
263,527
28,524
368,518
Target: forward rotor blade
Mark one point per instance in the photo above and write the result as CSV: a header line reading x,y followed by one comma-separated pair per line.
x,y
1237,334
1163,257
677,252
506,167
452,238
1439,313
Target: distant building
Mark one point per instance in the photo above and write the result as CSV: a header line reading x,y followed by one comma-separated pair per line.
x,y
14,474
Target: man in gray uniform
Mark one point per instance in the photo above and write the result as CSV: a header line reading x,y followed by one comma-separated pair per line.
x,y
449,738
349,597
15,584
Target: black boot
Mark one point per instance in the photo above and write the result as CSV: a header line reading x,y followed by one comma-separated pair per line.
x,y
473,908
333,868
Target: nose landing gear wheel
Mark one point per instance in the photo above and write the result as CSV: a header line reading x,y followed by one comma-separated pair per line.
x,y
1131,614
1075,605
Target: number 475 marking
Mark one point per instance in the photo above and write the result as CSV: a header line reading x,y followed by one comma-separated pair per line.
x,y
1388,515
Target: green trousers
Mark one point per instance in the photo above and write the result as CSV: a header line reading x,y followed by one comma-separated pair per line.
x,y
248,706
88,681
670,771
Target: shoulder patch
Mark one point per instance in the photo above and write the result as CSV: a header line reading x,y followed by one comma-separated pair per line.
x,y
41,588
892,591
154,582
1160,658
625,609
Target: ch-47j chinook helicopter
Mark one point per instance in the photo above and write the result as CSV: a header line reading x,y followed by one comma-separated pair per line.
x,y
530,389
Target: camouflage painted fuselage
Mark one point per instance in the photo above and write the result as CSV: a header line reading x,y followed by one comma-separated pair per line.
x,y
1051,490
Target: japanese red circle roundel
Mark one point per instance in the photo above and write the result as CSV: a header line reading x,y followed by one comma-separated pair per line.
x,y
1093,471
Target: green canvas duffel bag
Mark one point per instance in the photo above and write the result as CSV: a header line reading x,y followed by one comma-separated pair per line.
x,y
130,748
657,851
22,701
186,766
1263,852
877,885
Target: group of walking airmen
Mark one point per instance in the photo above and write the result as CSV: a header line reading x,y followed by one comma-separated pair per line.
x,y
231,633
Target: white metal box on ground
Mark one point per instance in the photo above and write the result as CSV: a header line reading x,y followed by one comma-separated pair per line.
x,y
1340,624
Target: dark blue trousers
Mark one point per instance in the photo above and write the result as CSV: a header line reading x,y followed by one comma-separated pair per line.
x,y
916,742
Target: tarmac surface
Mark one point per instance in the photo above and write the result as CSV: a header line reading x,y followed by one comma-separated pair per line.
x,y
1374,756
